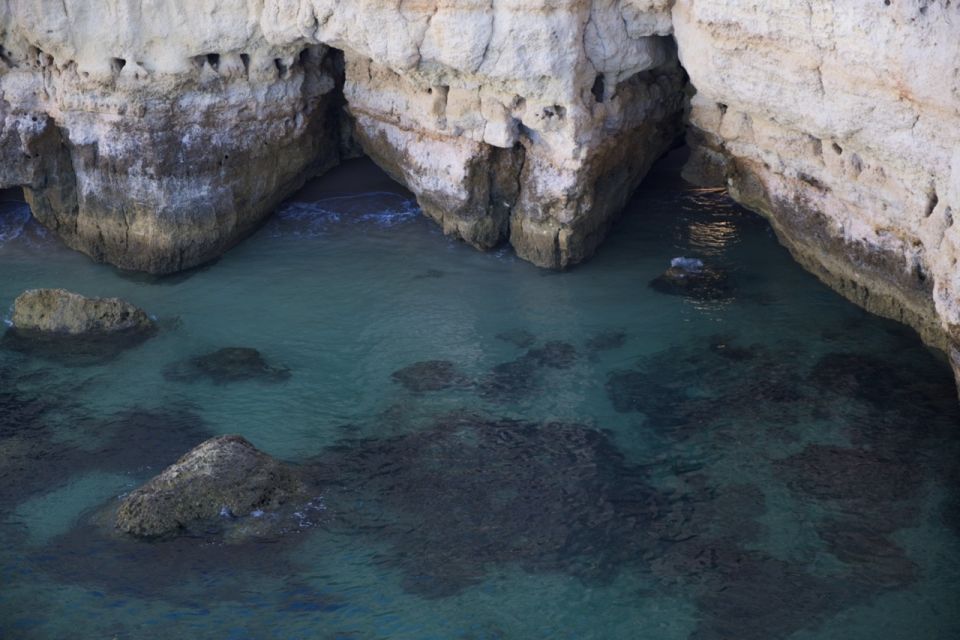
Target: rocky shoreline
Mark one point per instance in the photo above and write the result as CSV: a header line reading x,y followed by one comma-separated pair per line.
x,y
156,144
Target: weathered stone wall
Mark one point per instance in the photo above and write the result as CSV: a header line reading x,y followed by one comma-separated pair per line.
x,y
155,135
840,122
155,141
171,129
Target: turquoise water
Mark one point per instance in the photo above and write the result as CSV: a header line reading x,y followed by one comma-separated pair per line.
x,y
583,456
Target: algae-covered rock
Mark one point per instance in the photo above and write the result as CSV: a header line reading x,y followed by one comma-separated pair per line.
x,y
430,375
74,330
58,311
224,477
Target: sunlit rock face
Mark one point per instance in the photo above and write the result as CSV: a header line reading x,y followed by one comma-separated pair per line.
x,y
527,119
156,136
840,122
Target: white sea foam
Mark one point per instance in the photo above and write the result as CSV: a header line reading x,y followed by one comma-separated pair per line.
x,y
310,219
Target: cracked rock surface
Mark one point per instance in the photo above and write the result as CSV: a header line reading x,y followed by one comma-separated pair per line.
x,y
840,122
154,137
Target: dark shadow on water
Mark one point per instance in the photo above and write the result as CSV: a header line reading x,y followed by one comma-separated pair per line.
x,y
172,279
73,351
547,497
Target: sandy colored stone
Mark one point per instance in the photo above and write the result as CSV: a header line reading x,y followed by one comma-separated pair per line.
x,y
156,136
225,476
840,123
57,311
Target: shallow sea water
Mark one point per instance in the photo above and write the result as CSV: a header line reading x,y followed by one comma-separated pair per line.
x,y
581,456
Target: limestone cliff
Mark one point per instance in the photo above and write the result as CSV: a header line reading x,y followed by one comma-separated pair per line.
x,y
154,136
840,122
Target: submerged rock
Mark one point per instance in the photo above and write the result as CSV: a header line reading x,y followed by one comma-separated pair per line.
x,y
469,493
231,364
509,381
224,477
607,340
691,278
518,337
73,329
832,472
430,375
554,355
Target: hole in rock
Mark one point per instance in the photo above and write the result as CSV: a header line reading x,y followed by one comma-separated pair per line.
x,y
245,59
556,111
213,59
932,201
598,88
117,64
837,149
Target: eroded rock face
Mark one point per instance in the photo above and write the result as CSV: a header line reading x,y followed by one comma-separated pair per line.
x,y
839,122
224,477
57,311
157,139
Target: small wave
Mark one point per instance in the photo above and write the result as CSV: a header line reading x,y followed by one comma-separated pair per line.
x,y
310,219
17,225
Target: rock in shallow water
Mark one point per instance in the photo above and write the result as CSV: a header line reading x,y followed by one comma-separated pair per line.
x,y
691,278
222,477
518,337
607,340
231,364
470,493
430,375
75,330
61,312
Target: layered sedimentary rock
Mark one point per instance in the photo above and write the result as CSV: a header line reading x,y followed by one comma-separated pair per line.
x,y
525,119
155,136
840,122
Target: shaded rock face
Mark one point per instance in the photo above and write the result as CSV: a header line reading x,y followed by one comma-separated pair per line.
x,y
157,142
230,364
73,329
225,477
840,124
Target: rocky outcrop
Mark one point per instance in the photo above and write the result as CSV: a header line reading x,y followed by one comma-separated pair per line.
x,y
60,312
529,121
223,478
839,122
155,137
